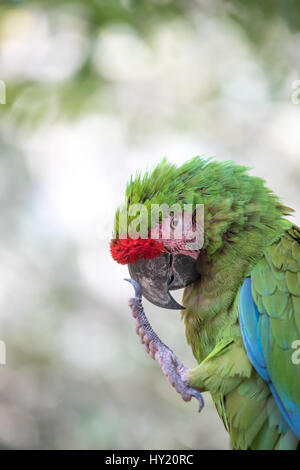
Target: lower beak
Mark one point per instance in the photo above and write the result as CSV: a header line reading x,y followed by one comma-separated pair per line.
x,y
159,275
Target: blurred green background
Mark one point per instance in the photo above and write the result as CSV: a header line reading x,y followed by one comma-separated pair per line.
x,y
94,90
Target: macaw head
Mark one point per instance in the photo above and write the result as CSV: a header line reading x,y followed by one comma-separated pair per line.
x,y
173,215
162,252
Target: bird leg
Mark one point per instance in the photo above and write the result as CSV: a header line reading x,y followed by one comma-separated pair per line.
x,y
172,367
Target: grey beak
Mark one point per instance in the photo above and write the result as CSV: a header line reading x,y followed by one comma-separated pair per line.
x,y
159,275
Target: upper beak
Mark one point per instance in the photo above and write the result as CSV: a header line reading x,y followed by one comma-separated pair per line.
x,y
159,275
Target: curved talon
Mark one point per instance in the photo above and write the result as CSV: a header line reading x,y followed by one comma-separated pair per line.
x,y
199,397
136,286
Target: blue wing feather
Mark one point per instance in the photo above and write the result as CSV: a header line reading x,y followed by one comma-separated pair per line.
x,y
252,325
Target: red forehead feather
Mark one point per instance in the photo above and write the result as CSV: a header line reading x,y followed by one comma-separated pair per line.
x,y
128,250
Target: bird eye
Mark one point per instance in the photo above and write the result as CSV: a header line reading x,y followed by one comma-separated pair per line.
x,y
174,221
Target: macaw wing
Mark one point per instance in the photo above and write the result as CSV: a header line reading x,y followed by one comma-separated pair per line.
x,y
269,314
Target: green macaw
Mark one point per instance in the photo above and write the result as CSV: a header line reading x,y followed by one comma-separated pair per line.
x,y
241,303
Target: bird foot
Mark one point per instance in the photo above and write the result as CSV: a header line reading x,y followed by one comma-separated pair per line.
x,y
172,367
